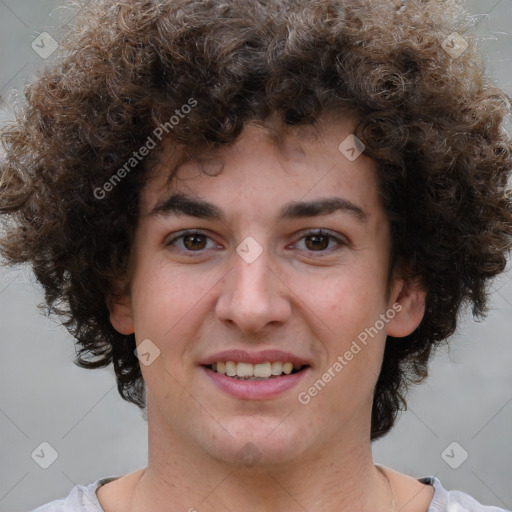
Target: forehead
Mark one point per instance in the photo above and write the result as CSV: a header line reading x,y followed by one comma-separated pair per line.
x,y
292,163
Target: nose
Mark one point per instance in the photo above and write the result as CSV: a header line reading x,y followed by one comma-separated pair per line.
x,y
253,295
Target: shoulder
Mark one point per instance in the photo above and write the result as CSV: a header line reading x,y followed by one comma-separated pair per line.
x,y
454,501
427,494
82,498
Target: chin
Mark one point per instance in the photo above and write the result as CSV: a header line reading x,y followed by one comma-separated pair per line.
x,y
256,443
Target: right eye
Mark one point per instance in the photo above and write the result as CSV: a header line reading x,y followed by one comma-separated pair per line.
x,y
191,241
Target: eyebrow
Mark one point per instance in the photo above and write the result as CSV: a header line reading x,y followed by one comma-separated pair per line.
x,y
182,204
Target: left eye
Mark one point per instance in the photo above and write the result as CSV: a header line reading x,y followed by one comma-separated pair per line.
x,y
319,240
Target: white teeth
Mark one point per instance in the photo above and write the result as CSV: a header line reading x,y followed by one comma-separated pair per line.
x,y
230,368
260,370
287,368
277,368
245,370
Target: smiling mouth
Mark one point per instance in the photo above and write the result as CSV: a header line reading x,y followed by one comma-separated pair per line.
x,y
259,371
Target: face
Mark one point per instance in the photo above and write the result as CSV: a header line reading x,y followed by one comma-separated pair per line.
x,y
277,264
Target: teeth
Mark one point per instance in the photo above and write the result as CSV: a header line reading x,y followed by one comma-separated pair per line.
x,y
230,369
245,370
277,368
260,370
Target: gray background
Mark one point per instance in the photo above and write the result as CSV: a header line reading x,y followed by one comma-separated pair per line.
x,y
44,397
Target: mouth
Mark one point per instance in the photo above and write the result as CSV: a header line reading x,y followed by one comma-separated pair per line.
x,y
255,372
262,375
261,379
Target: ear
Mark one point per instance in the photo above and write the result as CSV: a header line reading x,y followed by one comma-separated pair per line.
x,y
120,307
408,300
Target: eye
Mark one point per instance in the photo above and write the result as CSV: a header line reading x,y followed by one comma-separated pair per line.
x,y
320,240
191,241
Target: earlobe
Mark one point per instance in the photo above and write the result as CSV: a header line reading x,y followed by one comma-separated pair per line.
x,y
411,299
120,309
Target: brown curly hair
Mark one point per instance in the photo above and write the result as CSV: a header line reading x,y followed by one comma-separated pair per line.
x,y
432,121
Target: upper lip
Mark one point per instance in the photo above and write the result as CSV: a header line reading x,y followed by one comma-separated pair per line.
x,y
263,356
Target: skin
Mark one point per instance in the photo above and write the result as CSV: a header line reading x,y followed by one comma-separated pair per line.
x,y
295,297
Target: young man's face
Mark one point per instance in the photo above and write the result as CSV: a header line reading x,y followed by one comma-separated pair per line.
x,y
257,285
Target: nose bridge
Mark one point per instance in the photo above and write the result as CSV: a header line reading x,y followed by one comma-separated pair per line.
x,y
251,295
251,276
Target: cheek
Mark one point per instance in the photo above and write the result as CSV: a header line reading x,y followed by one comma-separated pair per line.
x,y
163,294
347,301
169,306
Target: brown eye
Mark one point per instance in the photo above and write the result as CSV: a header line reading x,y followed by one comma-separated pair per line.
x,y
317,242
191,242
194,242
321,242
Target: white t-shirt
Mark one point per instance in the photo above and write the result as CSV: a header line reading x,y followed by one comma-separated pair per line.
x,y
82,498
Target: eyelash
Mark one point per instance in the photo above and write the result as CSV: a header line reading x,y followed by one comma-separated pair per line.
x,y
313,232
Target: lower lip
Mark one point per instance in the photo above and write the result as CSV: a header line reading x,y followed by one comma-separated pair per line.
x,y
256,389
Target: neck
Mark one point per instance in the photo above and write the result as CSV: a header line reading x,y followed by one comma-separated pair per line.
x,y
341,477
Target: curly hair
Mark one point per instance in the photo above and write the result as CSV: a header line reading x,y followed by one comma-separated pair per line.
x,y
432,121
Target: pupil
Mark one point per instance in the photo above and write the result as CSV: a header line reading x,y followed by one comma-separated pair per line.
x,y
317,241
196,240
